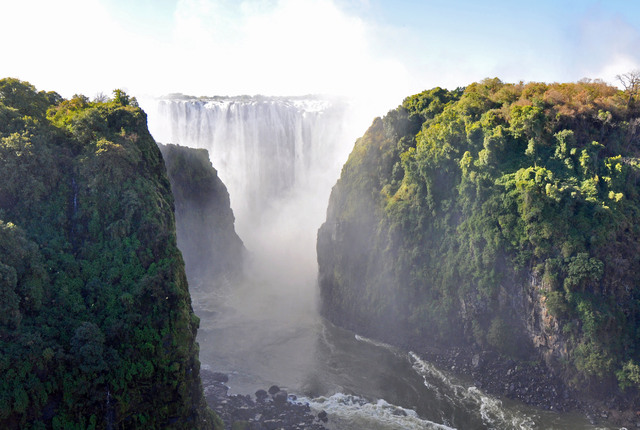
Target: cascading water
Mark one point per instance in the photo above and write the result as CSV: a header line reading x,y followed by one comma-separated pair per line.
x,y
268,151
279,158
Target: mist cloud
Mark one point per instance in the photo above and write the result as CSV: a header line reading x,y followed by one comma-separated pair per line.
x,y
293,47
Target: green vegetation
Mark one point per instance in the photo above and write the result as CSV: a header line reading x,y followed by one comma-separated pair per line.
x,y
460,212
96,325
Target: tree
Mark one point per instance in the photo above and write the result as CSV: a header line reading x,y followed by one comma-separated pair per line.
x,y
24,97
120,97
87,347
101,98
631,83
9,300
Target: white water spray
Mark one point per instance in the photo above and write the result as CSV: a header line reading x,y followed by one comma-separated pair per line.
x,y
278,157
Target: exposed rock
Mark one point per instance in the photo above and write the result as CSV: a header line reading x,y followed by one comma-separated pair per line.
x,y
273,389
219,377
261,395
280,397
322,416
242,412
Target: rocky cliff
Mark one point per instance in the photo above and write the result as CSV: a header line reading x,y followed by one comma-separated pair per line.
x,y
96,325
496,217
212,250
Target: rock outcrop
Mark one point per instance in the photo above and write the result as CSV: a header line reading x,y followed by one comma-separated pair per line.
x,y
212,250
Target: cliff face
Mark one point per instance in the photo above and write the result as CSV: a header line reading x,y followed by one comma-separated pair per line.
x,y
97,329
212,250
500,217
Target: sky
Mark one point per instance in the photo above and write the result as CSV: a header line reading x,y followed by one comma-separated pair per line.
x,y
378,49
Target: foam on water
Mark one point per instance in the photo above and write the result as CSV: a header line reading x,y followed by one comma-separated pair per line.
x,y
490,409
350,411
376,343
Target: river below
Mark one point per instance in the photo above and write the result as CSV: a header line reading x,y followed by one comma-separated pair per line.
x,y
266,331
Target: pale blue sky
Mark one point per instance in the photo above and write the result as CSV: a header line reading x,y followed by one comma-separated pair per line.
x,y
362,47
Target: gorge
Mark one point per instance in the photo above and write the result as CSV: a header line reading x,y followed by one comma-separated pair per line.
x,y
476,267
266,330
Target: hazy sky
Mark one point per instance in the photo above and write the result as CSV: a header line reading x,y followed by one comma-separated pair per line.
x,y
363,47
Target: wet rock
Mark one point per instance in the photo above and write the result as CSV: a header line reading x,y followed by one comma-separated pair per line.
x,y
219,377
322,416
272,424
242,412
280,397
476,361
261,395
273,389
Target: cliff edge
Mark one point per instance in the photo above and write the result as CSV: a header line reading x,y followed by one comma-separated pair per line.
x,y
96,324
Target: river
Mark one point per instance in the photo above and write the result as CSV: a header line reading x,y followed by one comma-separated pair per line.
x,y
263,332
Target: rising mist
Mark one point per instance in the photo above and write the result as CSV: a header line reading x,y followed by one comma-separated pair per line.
x,y
279,158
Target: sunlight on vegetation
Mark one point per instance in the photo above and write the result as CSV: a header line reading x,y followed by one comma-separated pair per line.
x,y
96,326
478,198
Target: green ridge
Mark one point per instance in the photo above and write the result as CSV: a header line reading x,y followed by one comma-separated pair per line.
x,y
505,216
96,325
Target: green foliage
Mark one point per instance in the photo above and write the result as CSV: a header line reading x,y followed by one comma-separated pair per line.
x,y
94,305
556,304
23,97
481,191
501,337
582,272
629,375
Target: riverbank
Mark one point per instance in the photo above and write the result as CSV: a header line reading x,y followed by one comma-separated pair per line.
x,y
268,410
532,384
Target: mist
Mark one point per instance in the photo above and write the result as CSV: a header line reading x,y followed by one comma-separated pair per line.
x,y
279,158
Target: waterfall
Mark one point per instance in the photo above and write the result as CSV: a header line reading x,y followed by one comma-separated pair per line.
x,y
272,153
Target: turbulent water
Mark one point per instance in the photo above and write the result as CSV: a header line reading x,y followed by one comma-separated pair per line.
x,y
279,158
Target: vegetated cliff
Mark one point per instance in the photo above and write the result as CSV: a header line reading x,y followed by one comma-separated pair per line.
x,y
499,216
96,325
212,251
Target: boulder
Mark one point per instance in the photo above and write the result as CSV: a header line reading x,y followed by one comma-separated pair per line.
x,y
280,397
273,389
219,377
322,416
261,395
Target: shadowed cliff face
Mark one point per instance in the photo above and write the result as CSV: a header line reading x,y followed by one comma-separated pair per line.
x,y
498,217
212,251
97,326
